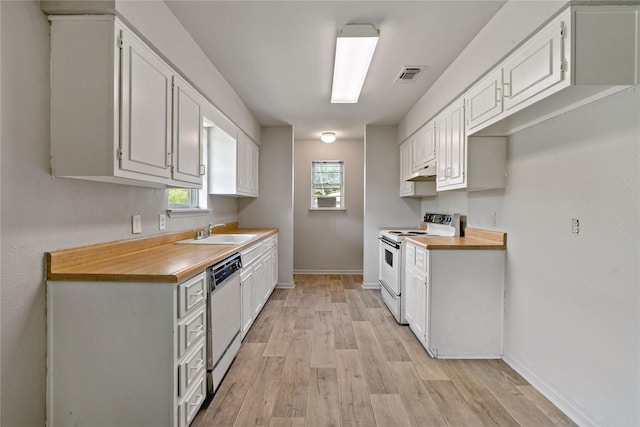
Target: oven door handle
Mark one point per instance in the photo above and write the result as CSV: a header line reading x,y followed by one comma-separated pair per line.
x,y
389,242
388,288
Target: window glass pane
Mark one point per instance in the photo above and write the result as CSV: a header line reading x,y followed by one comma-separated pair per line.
x,y
182,198
327,184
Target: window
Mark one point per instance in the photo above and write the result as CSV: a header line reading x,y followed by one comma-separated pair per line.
x,y
183,198
327,184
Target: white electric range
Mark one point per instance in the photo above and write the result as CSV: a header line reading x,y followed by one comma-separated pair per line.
x,y
391,258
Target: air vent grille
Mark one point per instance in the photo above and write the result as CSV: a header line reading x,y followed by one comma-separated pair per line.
x,y
409,74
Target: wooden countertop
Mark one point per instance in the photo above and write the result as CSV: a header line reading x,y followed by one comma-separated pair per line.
x,y
151,259
474,238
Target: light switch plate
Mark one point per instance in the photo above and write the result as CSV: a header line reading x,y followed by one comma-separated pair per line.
x,y
136,224
162,221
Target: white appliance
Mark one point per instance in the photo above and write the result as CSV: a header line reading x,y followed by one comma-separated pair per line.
x,y
223,318
391,257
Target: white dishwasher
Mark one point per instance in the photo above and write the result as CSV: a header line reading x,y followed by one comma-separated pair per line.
x,y
223,318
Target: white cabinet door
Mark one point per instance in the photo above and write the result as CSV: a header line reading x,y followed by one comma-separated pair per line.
x,y
187,133
247,170
451,146
406,188
146,110
424,147
258,287
484,100
535,67
246,291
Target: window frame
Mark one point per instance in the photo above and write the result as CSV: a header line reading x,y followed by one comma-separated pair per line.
x,y
313,197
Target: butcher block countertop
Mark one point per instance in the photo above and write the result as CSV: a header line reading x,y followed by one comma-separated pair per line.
x,y
474,238
152,259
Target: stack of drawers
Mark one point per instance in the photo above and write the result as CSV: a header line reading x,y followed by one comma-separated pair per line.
x,y
191,354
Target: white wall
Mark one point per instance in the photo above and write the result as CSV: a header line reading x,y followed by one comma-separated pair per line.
x,y
328,240
383,207
572,325
573,300
274,207
40,213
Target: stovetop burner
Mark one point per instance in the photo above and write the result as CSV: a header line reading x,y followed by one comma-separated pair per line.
x,y
408,233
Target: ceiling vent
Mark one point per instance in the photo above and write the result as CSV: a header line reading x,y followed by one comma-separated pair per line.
x,y
409,74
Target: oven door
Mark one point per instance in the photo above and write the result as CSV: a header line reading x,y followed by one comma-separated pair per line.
x,y
389,264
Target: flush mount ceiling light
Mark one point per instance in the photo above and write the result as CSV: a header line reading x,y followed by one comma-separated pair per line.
x,y
328,137
354,49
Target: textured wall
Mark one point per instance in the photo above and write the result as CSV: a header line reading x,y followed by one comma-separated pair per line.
x,y
40,213
274,207
328,240
573,300
383,207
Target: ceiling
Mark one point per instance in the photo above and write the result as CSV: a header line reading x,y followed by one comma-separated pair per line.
x,y
278,55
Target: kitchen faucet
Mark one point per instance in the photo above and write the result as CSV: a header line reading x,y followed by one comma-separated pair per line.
x,y
206,232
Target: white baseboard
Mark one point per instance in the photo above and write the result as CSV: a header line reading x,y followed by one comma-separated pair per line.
x,y
285,285
547,391
327,271
375,285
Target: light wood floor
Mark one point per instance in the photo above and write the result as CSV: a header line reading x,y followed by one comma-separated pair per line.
x,y
328,353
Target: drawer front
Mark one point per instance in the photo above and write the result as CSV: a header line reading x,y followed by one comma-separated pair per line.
x,y
251,254
191,293
191,368
421,259
271,242
191,330
188,408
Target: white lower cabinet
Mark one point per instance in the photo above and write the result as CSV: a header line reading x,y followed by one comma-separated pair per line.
x,y
123,354
258,278
456,313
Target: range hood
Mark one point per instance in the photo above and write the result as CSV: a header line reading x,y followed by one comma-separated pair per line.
x,y
428,173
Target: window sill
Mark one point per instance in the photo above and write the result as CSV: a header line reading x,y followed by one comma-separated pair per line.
x,y
328,209
187,212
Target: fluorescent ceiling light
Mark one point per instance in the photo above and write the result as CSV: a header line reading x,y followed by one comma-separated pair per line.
x,y
328,137
354,49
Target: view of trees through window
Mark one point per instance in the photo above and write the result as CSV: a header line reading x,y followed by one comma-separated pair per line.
x,y
182,197
327,185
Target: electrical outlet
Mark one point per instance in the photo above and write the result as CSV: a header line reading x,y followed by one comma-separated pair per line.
x,y
136,224
162,221
492,219
575,225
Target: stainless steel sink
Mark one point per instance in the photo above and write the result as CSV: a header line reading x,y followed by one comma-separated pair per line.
x,y
220,239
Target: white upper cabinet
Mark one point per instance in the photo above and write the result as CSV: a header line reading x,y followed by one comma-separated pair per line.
x,y
536,66
424,147
111,108
484,100
233,160
451,146
407,188
145,132
583,54
187,146
248,158
467,162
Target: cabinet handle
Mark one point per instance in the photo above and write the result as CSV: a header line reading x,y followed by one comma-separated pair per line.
x,y
167,163
203,169
498,98
506,90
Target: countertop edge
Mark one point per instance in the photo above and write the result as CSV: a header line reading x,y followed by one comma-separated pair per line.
x,y
67,265
474,239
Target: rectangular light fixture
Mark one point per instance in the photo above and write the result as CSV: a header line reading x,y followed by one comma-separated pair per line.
x,y
354,49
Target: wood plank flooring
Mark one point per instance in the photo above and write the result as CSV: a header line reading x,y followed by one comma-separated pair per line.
x,y
328,353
